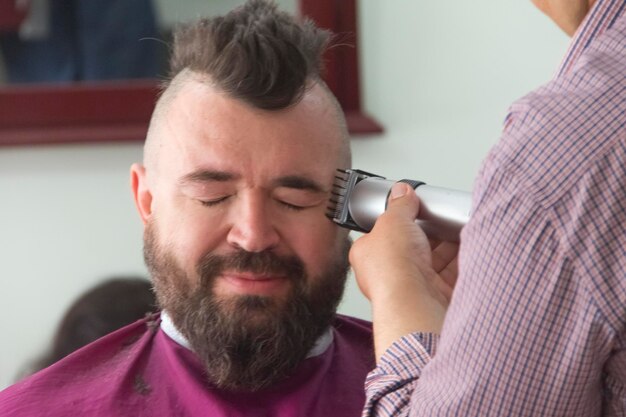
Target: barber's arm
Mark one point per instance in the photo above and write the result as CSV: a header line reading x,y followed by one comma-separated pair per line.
x,y
408,283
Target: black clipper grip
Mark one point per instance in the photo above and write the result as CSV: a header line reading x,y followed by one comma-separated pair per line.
x,y
412,183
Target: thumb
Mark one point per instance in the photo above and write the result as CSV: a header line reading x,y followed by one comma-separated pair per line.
x,y
403,201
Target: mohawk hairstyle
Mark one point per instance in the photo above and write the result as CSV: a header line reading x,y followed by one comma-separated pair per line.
x,y
255,53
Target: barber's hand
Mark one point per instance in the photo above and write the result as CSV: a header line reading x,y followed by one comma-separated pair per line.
x,y
408,279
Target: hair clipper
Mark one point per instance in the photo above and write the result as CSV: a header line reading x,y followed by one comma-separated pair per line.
x,y
359,197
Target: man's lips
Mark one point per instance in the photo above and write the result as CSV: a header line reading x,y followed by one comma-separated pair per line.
x,y
248,283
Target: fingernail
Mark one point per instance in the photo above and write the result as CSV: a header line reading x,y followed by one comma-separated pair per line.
x,y
398,190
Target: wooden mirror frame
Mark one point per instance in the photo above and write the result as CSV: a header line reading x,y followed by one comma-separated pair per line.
x,y
119,111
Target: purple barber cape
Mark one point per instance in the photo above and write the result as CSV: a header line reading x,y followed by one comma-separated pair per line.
x,y
140,371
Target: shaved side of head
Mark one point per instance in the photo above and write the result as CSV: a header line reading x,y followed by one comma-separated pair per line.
x,y
154,140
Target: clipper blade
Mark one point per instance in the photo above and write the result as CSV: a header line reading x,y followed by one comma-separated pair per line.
x,y
338,205
337,198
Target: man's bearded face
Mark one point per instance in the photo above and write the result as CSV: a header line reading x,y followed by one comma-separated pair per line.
x,y
246,342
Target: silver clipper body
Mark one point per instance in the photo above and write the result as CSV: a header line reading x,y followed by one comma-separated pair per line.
x,y
360,197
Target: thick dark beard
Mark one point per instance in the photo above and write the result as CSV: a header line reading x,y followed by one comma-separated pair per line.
x,y
246,343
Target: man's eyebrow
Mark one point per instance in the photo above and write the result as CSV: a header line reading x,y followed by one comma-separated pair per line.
x,y
300,183
204,175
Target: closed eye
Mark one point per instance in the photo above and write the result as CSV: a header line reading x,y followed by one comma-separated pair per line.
x,y
292,206
214,202
299,199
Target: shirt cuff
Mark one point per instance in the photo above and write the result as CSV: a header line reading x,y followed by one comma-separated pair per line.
x,y
389,386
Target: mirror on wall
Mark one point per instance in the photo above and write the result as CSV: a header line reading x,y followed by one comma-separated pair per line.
x,y
100,81
61,41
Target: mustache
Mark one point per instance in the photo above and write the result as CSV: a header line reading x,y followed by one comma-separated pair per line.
x,y
262,263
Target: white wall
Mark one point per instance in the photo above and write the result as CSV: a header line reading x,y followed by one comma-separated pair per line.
x,y
438,75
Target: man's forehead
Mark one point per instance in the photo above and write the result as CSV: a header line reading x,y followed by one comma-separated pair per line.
x,y
202,122
296,180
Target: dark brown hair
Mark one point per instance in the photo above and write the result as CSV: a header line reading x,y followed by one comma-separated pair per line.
x,y
255,53
103,309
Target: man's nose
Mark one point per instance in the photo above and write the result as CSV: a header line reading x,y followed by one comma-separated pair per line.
x,y
253,226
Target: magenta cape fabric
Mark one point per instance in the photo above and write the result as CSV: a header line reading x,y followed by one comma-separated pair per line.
x,y
140,371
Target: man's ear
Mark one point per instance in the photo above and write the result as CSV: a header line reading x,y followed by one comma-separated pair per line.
x,y
141,191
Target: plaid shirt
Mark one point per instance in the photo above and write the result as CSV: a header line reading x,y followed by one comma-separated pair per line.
x,y
537,323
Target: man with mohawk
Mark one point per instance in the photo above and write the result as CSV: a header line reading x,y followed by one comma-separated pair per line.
x,y
238,166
